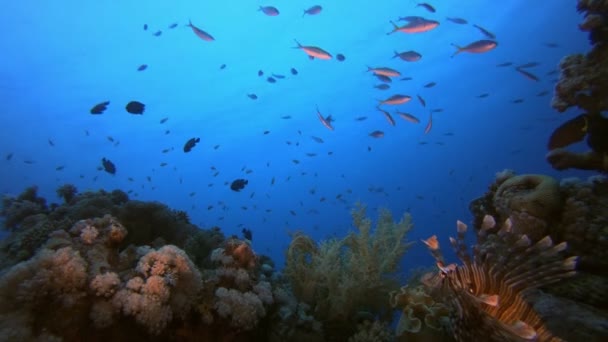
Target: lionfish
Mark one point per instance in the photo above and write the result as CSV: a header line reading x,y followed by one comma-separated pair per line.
x,y
487,293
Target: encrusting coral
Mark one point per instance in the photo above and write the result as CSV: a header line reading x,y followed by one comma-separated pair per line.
x,y
531,201
344,278
422,317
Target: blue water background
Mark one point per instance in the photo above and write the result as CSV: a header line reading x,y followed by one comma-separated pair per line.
x,y
59,58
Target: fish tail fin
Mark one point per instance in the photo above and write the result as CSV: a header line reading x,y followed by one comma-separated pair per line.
x,y
189,23
298,43
303,15
395,27
458,50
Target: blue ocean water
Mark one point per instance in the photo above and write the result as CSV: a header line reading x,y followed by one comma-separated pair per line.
x,y
61,58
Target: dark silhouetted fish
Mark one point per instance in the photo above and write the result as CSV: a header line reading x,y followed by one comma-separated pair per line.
x,y
269,10
340,57
142,67
485,32
422,102
172,26
408,56
135,107
252,96
377,134
100,107
189,145
313,10
457,20
238,184
158,33
382,86
271,80
317,139
163,120
527,74
426,7
108,166
294,71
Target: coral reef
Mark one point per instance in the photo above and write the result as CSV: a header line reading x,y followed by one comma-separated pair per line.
x,y
67,192
343,279
583,83
137,293
15,210
581,221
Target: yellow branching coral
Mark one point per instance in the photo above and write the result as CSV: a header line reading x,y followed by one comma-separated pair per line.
x,y
340,277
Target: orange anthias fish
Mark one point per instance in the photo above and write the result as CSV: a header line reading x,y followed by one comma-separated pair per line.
x,y
414,25
408,117
479,46
429,125
527,74
200,33
383,71
313,51
396,99
388,116
326,121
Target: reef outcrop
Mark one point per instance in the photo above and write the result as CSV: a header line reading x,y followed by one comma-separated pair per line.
x,y
583,84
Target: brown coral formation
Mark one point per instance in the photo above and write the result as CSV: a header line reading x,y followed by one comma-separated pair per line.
x,y
531,201
583,83
581,220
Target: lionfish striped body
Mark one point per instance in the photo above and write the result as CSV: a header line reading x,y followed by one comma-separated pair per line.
x,y
487,293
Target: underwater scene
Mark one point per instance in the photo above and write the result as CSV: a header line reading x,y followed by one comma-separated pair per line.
x,y
319,170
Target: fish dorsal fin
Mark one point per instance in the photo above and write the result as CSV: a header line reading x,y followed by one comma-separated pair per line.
x,y
523,330
491,300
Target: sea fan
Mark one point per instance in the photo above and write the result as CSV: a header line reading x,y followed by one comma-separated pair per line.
x,y
487,293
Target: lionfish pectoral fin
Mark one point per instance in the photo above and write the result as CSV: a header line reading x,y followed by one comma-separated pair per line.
x,y
569,132
491,300
523,330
